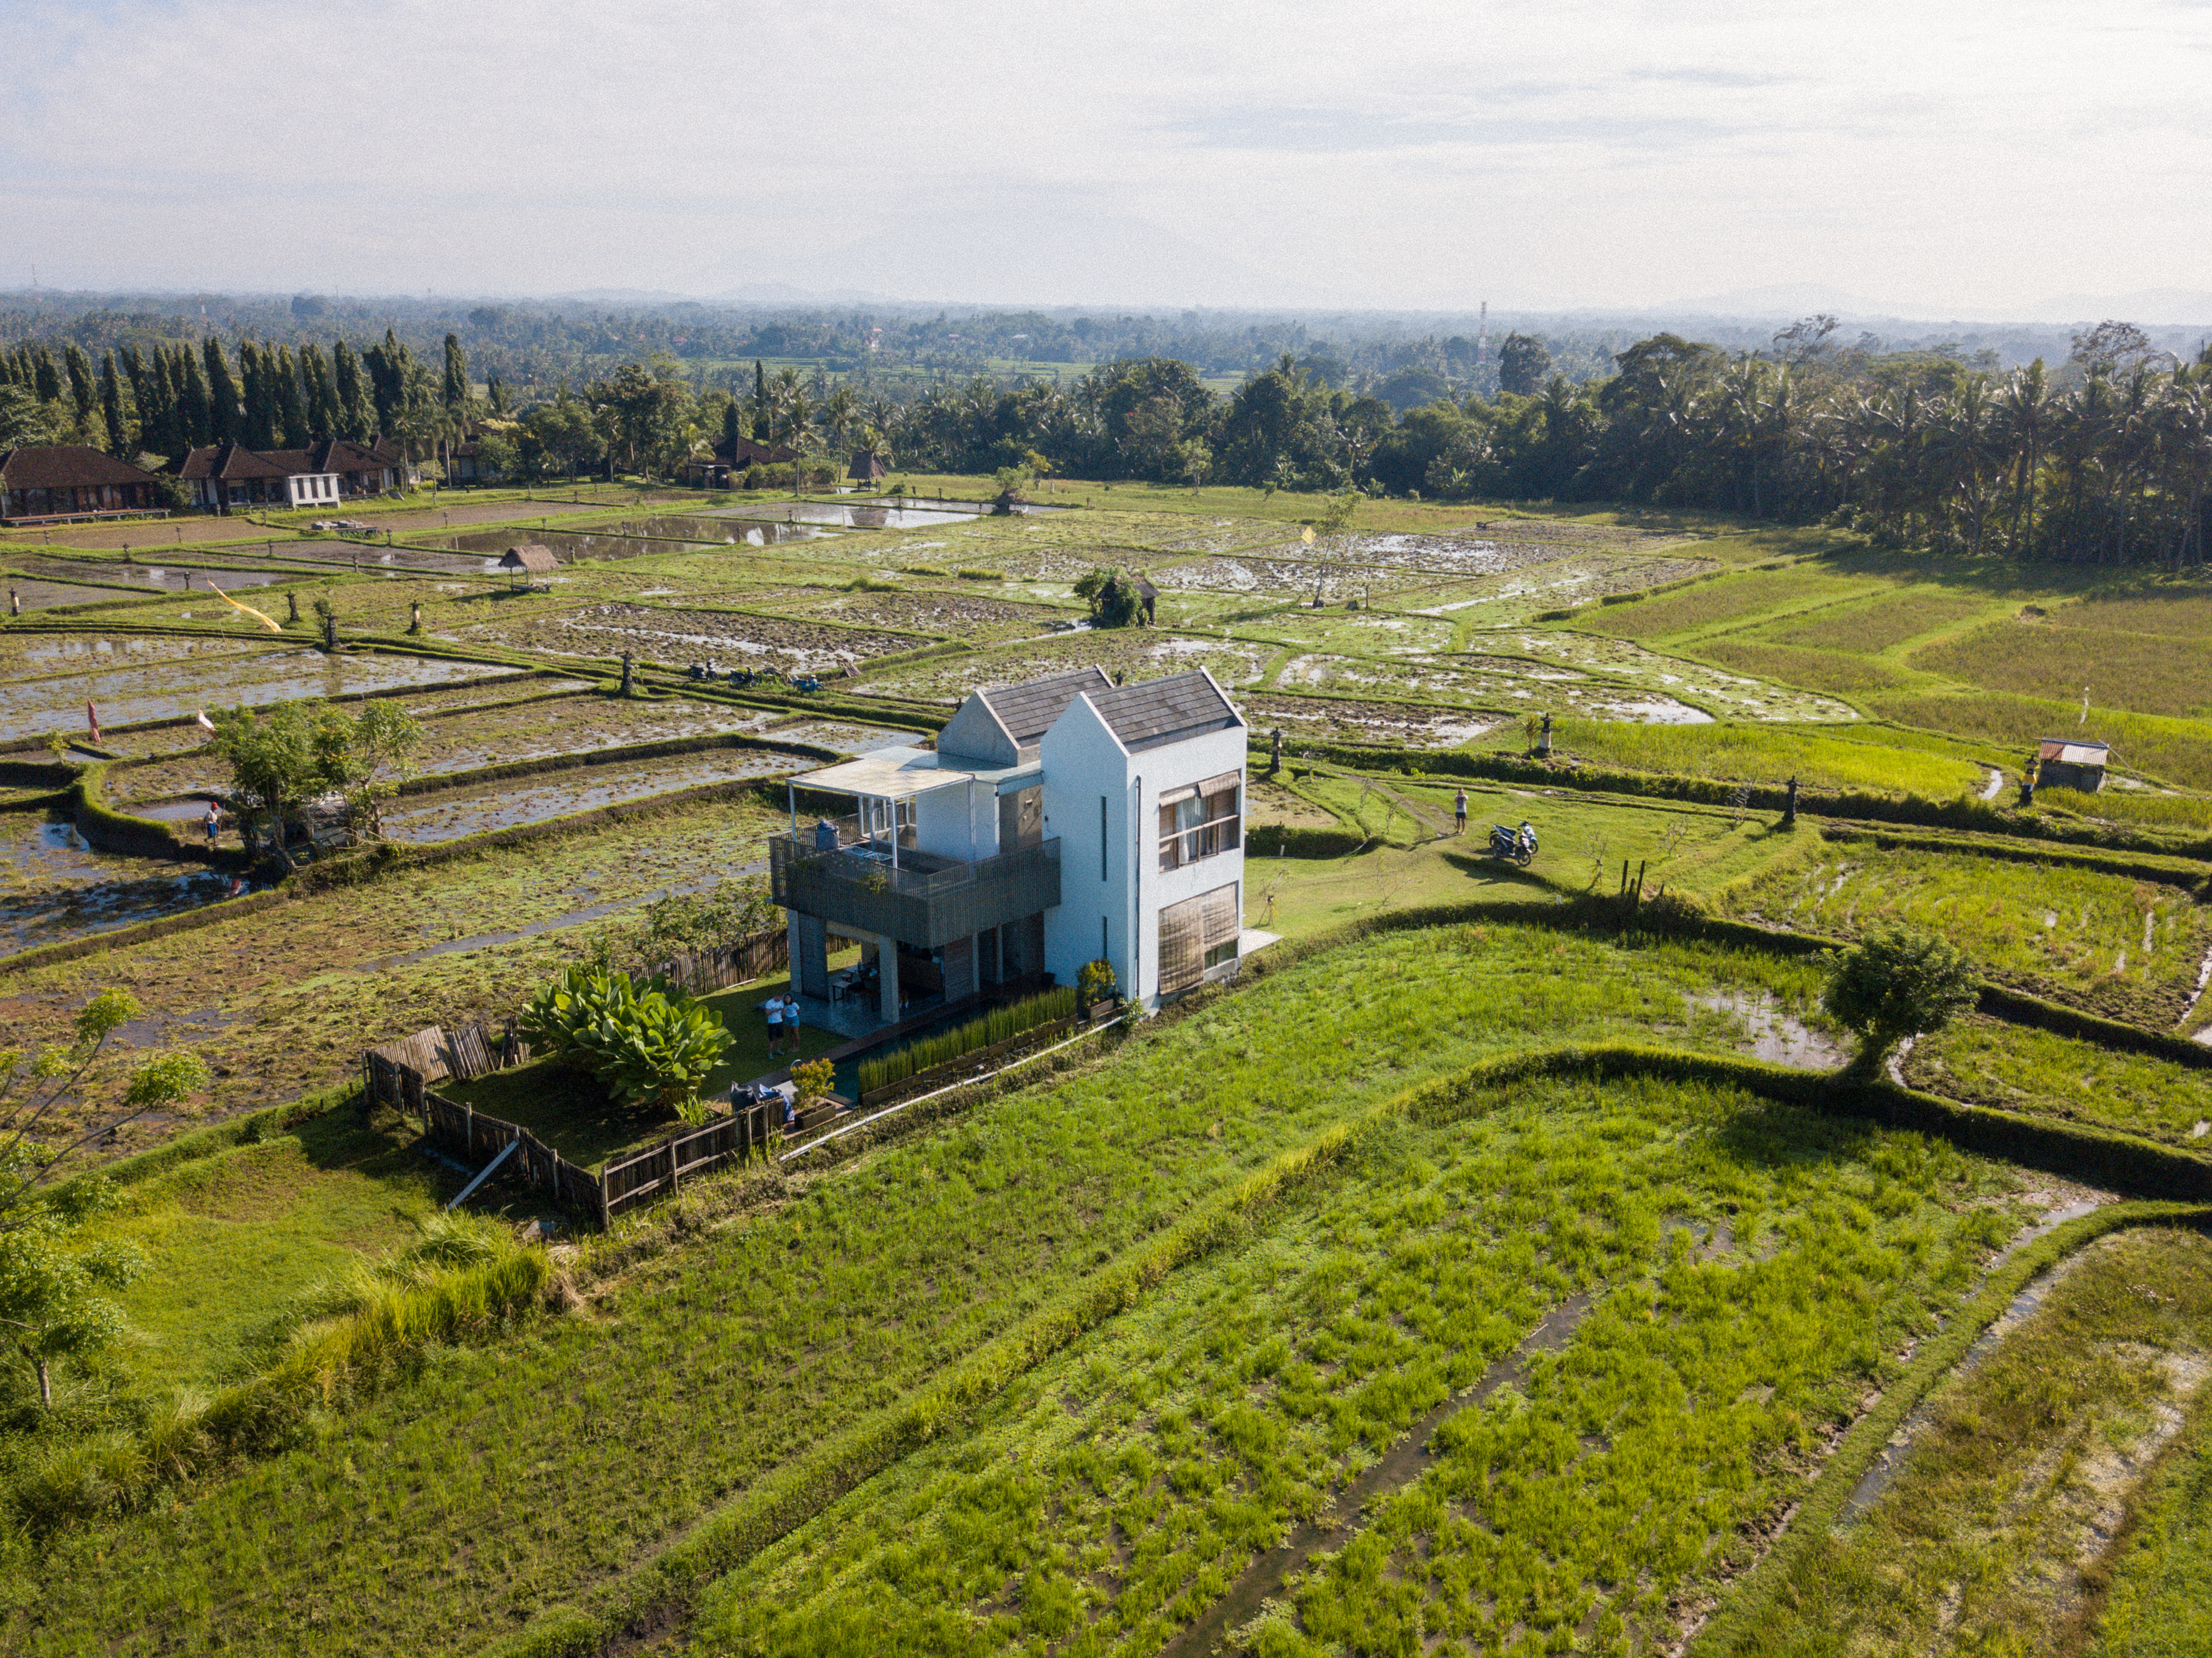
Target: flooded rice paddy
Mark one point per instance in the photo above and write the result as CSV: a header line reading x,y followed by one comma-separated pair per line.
x,y
475,809
53,886
169,691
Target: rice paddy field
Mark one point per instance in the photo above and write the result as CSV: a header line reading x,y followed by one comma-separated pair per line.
x,y
2103,940
1285,1325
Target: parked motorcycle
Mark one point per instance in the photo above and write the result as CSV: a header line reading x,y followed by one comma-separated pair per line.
x,y
1519,845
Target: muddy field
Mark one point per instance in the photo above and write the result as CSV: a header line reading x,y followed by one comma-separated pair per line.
x,y
947,614
449,814
679,637
461,739
1137,654
167,691
53,886
1314,719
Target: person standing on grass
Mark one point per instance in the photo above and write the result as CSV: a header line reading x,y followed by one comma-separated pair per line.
x,y
1459,812
212,822
791,1021
774,1025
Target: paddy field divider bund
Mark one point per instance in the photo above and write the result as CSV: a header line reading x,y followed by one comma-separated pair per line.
x,y
657,1595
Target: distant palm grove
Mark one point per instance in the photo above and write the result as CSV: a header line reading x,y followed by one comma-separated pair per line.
x,y
2105,459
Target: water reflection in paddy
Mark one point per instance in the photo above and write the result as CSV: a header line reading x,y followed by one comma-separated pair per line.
x,y
173,691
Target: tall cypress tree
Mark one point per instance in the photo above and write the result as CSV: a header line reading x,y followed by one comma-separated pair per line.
x,y
258,427
457,373
157,415
356,414
49,386
732,421
760,397
223,393
387,378
496,393
291,412
80,383
110,408
193,419
323,417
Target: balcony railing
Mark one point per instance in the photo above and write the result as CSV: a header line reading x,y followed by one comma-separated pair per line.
x,y
928,899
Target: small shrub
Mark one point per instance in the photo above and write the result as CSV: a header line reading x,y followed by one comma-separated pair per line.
x,y
1899,982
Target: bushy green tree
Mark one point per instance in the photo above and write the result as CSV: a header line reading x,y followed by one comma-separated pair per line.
x,y
36,1085
1897,982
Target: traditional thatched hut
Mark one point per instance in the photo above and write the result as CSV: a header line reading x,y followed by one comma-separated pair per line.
x,y
2062,764
868,467
527,563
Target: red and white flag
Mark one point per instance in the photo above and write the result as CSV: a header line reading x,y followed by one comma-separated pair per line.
x,y
91,718
202,717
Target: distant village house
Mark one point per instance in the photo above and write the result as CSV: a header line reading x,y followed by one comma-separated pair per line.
x,y
71,480
715,471
223,475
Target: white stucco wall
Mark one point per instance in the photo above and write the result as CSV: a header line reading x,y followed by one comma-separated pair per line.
x,y
1083,761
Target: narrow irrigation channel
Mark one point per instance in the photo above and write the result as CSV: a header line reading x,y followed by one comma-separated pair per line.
x,y
1399,1466
1886,1465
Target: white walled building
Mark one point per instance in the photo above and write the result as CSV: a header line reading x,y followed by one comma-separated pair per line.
x,y
1056,823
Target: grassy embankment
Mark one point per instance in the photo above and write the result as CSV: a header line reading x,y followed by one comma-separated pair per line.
x,y
1994,1536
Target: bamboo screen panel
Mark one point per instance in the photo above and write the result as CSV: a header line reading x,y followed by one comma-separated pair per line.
x,y
1183,944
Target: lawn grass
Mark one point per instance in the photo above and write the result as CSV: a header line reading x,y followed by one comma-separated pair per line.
x,y
2037,1073
1117,1491
233,1238
1990,1540
2105,941
505,1479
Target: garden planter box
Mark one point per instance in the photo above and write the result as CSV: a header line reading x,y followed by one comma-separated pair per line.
x,y
969,1064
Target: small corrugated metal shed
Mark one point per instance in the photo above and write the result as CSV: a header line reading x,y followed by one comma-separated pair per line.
x,y
2064,764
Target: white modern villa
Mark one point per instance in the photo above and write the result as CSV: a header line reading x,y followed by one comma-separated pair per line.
x,y
1055,822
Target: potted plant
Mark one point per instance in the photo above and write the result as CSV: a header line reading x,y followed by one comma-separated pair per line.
x,y
1095,988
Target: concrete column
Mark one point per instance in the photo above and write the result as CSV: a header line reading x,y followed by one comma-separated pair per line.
x,y
887,985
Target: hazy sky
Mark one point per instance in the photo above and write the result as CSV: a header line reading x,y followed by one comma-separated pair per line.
x,y
1973,158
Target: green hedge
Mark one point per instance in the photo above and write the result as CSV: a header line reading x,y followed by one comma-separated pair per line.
x,y
1299,841
1000,1024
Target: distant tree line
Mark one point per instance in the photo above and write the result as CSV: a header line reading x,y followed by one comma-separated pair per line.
x,y
2105,459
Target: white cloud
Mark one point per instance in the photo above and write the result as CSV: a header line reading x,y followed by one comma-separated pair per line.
x,y
1402,152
